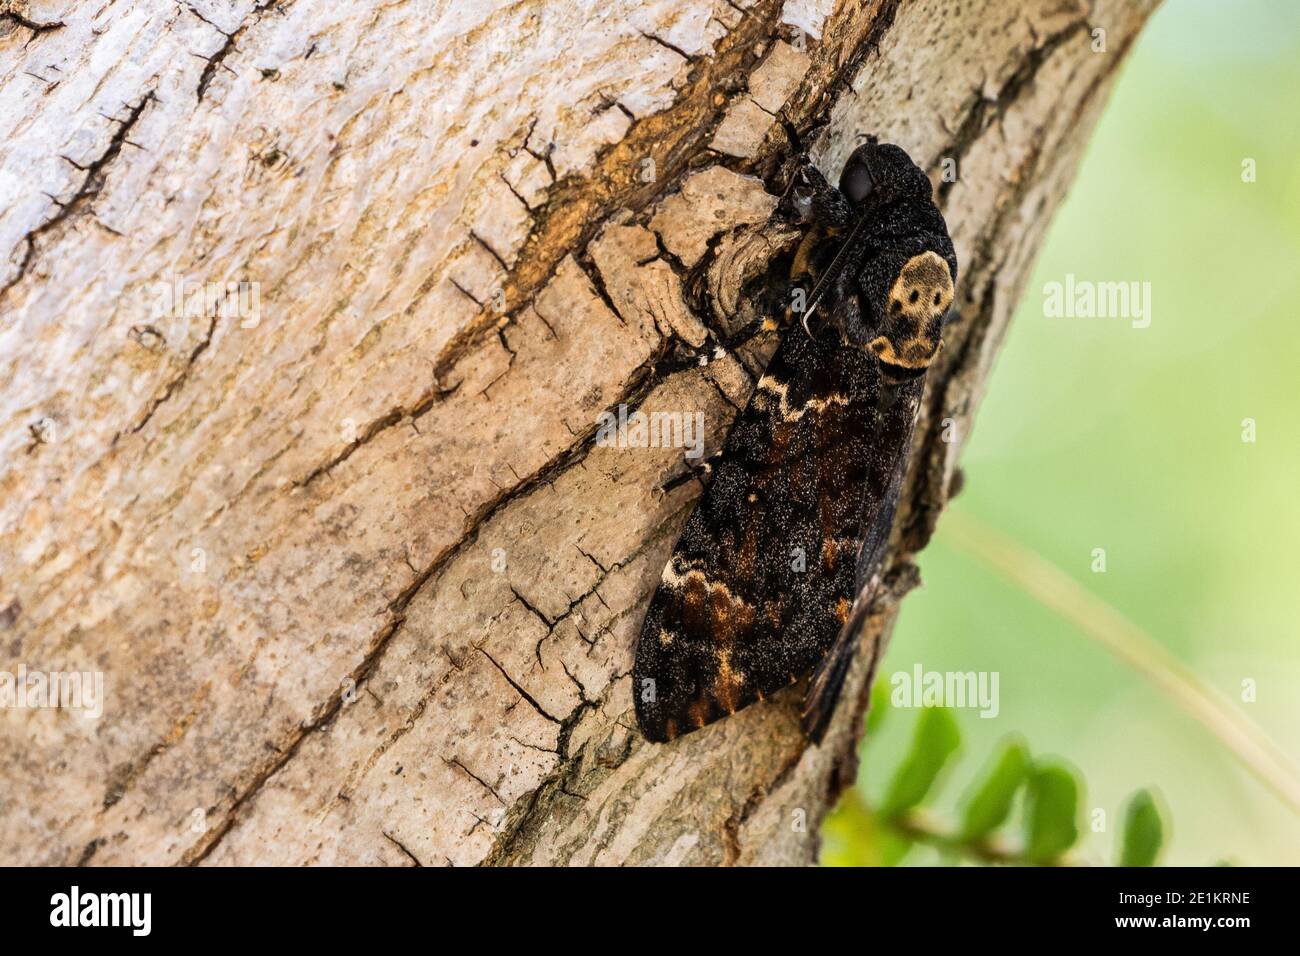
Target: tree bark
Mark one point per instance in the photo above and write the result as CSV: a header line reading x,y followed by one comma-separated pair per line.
x,y
363,586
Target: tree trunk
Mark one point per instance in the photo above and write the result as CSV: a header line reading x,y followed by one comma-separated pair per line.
x,y
361,583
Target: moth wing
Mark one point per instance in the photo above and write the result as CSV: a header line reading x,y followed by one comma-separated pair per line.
x,y
920,268
895,424
763,576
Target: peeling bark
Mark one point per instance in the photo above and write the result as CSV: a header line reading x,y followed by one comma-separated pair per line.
x,y
363,586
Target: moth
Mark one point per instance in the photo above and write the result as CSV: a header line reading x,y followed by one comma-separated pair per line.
x,y
773,573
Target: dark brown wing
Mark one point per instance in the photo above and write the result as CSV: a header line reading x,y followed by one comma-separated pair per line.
x,y
764,575
895,419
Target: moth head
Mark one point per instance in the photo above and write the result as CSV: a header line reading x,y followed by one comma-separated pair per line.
x,y
918,300
881,172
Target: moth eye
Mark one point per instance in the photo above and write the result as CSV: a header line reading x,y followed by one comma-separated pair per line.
x,y
856,183
913,297
936,298
896,305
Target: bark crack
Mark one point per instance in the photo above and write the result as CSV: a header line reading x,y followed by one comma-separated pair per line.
x,y
532,701
86,192
176,382
456,762
393,416
217,60
36,26
401,848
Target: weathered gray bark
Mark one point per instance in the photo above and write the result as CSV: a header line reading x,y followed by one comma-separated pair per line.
x,y
362,585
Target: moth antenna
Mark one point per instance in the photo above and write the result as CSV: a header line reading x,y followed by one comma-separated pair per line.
x,y
806,316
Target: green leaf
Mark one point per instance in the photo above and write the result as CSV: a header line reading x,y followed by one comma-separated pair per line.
x,y
1143,831
935,740
990,800
1052,823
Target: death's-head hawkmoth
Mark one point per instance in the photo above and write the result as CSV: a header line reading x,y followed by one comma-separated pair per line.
x,y
789,535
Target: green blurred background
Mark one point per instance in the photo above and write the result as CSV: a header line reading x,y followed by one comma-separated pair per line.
x,y
1095,434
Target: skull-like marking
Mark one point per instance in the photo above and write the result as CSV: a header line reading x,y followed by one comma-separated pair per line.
x,y
917,303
